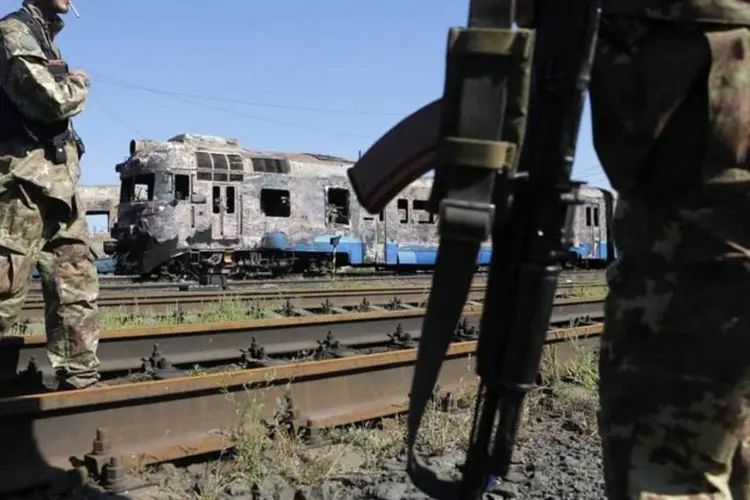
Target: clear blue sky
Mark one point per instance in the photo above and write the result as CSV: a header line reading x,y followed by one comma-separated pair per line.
x,y
292,75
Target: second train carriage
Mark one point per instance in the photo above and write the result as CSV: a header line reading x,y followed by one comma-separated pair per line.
x,y
196,206
593,245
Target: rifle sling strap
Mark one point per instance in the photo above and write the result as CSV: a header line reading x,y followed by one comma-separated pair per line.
x,y
469,167
476,153
36,31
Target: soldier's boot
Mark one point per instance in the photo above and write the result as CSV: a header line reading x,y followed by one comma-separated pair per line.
x,y
70,385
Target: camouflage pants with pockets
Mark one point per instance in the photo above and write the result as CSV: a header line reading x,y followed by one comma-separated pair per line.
x,y
39,231
671,120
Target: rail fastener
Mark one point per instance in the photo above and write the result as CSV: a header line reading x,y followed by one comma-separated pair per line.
x,y
158,302
123,350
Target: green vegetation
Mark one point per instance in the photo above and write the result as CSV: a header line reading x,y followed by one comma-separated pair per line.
x,y
231,309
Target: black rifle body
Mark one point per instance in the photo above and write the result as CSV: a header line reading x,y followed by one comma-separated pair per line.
x,y
503,172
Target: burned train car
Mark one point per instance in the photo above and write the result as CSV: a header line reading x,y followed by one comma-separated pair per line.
x,y
196,206
200,207
592,245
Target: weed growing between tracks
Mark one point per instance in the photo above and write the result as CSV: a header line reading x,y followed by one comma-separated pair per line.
x,y
570,385
229,309
270,456
234,308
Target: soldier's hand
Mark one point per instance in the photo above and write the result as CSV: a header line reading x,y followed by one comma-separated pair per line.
x,y
81,75
525,13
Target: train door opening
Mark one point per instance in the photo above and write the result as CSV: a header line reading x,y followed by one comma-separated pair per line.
x,y
593,231
181,187
373,233
224,211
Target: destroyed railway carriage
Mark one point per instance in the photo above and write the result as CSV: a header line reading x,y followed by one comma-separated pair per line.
x,y
199,206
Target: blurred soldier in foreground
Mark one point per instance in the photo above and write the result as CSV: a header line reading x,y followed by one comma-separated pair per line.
x,y
670,100
42,221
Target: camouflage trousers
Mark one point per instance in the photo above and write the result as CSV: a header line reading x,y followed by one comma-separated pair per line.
x,y
671,123
37,231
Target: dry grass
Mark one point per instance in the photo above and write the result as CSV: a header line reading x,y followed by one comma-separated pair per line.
x,y
569,387
266,446
224,310
270,446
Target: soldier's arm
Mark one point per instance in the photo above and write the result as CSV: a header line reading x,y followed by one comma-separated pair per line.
x,y
28,82
31,86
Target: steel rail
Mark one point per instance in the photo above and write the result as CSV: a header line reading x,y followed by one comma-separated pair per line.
x,y
115,282
46,436
168,302
112,284
123,350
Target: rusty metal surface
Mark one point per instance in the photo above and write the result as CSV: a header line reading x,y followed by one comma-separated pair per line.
x,y
156,302
130,283
124,349
167,302
144,423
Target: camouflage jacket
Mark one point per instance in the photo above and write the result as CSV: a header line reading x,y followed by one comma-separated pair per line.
x,y
732,12
736,12
29,84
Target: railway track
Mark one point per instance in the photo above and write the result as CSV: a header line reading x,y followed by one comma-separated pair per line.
x,y
169,351
109,431
121,283
280,302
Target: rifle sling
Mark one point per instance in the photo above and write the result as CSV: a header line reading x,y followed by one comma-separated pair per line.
x,y
470,160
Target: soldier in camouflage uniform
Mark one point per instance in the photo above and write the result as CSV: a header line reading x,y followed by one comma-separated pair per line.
x,y
670,100
42,222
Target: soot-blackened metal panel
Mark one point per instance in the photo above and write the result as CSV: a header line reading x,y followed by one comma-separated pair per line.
x,y
313,199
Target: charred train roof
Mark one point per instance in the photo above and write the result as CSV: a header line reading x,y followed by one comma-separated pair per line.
x,y
208,152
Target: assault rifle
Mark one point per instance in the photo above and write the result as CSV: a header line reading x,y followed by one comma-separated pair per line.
x,y
501,84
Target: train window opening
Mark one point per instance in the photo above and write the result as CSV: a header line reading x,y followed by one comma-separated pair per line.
x,y
203,160
275,203
220,162
369,217
137,188
271,165
403,210
588,216
381,215
217,167
424,216
126,189
235,162
337,205
181,187
596,216
230,199
217,199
